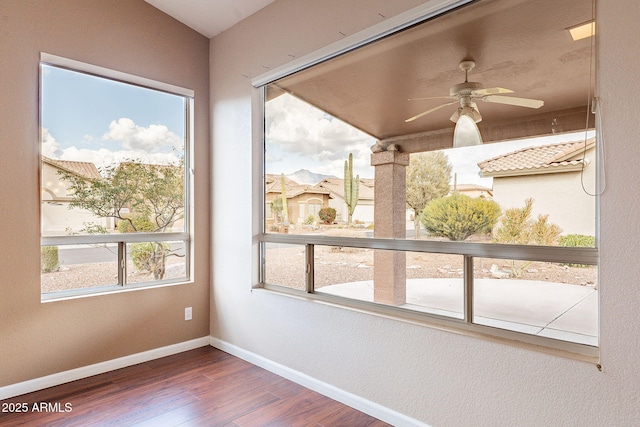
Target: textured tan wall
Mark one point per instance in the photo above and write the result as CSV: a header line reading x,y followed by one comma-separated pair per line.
x,y
440,378
38,339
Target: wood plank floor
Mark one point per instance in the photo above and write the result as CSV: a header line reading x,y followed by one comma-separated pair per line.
x,y
201,387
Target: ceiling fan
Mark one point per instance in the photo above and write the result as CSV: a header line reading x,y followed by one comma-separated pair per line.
x,y
468,92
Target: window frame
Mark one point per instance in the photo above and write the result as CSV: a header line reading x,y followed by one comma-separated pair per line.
x,y
123,239
469,250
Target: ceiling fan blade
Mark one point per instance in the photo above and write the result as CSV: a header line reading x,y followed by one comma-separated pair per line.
x,y
490,91
410,119
512,100
431,97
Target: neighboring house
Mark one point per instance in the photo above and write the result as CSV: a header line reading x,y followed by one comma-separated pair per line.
x,y
56,216
472,190
364,209
302,200
555,176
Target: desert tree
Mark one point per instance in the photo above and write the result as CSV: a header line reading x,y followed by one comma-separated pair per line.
x,y
428,176
140,197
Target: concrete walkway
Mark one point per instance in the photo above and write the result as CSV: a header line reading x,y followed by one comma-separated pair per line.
x,y
556,310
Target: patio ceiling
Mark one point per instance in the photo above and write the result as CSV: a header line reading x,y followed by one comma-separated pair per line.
x,y
522,45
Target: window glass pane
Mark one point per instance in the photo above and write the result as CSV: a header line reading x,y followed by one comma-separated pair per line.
x,y
537,190
480,149
538,298
305,154
113,162
435,283
344,271
153,261
284,265
431,283
112,153
68,267
511,192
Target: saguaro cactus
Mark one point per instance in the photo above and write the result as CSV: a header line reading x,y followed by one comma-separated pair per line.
x,y
351,187
285,209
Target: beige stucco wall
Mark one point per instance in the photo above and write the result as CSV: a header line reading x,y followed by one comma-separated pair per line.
x,y
363,211
52,183
561,196
55,216
435,376
38,339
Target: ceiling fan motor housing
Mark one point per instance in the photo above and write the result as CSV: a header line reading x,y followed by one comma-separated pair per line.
x,y
465,89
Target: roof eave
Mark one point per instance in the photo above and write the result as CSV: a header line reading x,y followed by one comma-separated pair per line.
x,y
532,171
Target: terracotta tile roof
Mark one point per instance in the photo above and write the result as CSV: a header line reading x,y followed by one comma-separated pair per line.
x,y
274,185
336,187
535,160
84,169
470,187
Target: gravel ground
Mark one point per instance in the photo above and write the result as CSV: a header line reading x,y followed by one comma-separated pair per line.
x,y
285,266
79,276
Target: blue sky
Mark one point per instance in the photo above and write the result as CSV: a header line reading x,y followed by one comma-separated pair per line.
x,y
86,118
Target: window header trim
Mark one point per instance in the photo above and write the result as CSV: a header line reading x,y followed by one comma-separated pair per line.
x,y
59,61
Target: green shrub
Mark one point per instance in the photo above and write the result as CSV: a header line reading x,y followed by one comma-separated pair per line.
x,y
578,240
517,227
310,219
136,224
327,215
48,259
146,256
150,257
458,216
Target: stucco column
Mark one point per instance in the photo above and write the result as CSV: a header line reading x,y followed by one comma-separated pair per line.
x,y
389,271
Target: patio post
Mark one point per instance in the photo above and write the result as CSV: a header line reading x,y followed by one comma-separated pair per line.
x,y
389,270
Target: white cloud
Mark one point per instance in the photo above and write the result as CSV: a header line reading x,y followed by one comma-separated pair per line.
x,y
50,147
323,142
101,157
154,138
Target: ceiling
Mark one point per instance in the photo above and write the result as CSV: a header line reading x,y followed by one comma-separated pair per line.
x,y
209,17
522,45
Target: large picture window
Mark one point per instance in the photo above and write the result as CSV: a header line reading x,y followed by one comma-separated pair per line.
x,y
114,182
454,182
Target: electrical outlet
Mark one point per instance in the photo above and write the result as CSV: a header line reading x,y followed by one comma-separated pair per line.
x,y
188,313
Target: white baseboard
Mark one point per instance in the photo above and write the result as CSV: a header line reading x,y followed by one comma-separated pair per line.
x,y
99,368
363,405
352,400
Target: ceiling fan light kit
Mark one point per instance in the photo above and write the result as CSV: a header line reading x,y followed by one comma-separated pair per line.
x,y
466,133
470,110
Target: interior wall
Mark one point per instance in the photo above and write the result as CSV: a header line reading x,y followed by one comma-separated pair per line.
x,y
38,339
435,376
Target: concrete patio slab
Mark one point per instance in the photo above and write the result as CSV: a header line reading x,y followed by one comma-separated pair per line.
x,y
557,310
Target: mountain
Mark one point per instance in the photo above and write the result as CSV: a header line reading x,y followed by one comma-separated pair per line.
x,y
304,176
